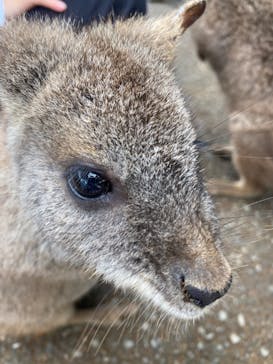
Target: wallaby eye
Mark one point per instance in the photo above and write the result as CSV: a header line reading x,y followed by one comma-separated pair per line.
x,y
86,183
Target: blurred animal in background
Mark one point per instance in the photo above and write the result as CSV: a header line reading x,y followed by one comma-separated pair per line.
x,y
236,37
99,174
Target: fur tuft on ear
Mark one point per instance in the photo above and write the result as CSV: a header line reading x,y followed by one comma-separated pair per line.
x,y
190,12
161,33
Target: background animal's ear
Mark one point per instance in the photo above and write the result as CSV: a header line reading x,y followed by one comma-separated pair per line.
x,y
163,32
28,52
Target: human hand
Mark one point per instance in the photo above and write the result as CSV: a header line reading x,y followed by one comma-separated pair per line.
x,y
17,7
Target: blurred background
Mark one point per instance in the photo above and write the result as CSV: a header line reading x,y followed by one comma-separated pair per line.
x,y
239,329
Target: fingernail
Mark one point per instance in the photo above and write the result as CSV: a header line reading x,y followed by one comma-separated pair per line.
x,y
61,5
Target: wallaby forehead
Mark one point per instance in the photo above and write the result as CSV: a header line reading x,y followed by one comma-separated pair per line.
x,y
112,95
112,71
106,131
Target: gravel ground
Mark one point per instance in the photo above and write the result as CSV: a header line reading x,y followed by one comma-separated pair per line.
x,y
239,330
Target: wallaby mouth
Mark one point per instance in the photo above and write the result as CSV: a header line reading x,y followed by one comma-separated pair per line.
x,y
186,303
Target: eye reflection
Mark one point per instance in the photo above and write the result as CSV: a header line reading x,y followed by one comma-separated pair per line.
x,y
86,183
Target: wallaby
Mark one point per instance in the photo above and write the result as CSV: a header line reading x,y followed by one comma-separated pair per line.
x,y
237,38
99,173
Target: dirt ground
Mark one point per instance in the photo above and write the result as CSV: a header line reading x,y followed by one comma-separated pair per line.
x,y
239,329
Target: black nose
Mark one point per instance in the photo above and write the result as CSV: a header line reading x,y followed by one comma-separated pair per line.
x,y
203,298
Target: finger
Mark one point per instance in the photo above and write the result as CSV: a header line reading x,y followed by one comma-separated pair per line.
x,y
55,5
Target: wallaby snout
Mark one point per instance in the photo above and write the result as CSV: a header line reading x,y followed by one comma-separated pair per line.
x,y
202,282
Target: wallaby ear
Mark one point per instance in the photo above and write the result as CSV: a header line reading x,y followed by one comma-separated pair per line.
x,y
162,33
190,12
172,25
166,30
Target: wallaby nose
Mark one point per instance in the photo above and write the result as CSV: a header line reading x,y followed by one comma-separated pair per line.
x,y
203,298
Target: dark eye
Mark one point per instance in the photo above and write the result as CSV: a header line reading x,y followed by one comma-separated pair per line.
x,y
86,183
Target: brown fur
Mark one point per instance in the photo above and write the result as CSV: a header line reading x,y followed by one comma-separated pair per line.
x,y
237,38
104,97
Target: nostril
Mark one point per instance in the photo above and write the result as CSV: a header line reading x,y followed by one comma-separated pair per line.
x,y
228,285
204,298
182,281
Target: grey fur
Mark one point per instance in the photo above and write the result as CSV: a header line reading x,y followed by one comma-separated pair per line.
x,y
103,96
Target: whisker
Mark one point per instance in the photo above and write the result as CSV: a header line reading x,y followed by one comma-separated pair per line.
x,y
245,156
102,322
125,324
268,229
143,332
237,113
158,323
259,201
108,330
85,333
149,304
240,267
256,241
213,139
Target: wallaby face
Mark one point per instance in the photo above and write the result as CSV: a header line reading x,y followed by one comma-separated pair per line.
x,y
236,38
104,158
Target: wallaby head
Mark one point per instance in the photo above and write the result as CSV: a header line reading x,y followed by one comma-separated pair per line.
x,y
104,157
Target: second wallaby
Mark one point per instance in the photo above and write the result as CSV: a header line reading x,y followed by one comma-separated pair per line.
x,y
237,38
